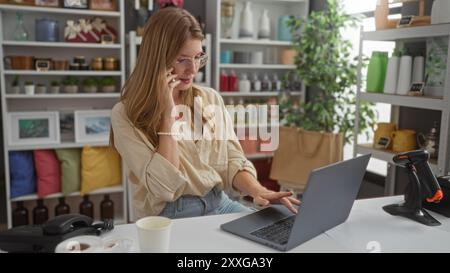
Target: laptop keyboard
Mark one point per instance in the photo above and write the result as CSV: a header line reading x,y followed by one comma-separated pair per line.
x,y
277,232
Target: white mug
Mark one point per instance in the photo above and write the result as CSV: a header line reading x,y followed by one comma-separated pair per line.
x,y
154,234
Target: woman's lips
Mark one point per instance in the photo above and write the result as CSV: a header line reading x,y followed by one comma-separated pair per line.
x,y
186,81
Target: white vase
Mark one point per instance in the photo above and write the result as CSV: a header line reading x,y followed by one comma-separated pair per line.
x,y
404,75
246,23
418,69
435,12
390,83
264,25
444,11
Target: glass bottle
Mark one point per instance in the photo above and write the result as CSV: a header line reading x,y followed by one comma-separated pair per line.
x,y
276,83
62,207
40,213
106,208
20,215
256,83
265,83
20,33
232,82
87,207
223,81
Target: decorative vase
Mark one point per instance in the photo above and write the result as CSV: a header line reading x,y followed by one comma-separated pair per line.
x,y
47,30
435,12
246,26
404,75
284,33
390,83
440,13
29,89
264,25
376,72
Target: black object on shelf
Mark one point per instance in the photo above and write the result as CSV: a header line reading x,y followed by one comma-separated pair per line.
x,y
87,207
20,215
423,185
40,213
62,207
106,208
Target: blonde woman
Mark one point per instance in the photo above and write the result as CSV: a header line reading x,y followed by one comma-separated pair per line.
x,y
171,177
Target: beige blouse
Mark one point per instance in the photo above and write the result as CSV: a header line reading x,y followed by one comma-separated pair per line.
x,y
203,163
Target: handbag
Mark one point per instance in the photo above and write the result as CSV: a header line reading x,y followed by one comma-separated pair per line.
x,y
301,151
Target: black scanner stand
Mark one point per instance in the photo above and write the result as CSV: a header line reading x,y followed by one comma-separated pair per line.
x,y
412,207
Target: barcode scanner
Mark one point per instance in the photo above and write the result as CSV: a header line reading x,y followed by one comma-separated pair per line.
x,y
423,185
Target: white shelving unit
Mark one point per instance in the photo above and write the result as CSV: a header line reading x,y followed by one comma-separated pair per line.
x,y
270,47
401,36
59,102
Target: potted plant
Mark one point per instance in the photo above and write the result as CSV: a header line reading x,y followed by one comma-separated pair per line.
x,y
70,84
55,87
90,85
326,121
108,85
29,88
15,85
41,88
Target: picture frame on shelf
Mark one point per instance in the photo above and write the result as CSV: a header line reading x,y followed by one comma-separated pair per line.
x,y
47,3
21,2
76,4
67,125
92,125
33,128
106,5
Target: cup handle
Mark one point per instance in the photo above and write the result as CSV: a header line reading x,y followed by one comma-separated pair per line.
x,y
420,140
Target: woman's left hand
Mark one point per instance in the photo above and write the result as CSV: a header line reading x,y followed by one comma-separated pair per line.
x,y
266,197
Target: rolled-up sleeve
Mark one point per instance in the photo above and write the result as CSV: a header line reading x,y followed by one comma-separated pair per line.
x,y
161,178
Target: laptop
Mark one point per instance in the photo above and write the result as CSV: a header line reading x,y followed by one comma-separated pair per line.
x,y
327,201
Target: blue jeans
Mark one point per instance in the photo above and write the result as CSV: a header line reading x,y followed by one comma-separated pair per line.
x,y
215,202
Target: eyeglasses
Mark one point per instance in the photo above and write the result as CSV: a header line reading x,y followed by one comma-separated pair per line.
x,y
199,61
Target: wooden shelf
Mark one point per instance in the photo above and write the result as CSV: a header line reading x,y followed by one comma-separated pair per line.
x,y
57,195
61,44
36,9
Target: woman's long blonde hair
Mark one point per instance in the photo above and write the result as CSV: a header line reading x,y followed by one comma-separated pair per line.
x,y
143,93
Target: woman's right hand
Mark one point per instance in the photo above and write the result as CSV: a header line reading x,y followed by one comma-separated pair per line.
x,y
172,82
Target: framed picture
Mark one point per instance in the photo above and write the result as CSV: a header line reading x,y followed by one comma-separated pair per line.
x,y
47,3
109,5
92,126
76,4
30,128
67,125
